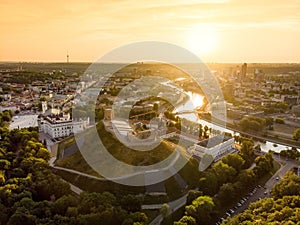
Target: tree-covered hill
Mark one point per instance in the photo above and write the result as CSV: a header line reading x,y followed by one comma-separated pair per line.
x,y
30,193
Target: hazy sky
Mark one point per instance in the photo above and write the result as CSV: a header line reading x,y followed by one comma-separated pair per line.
x,y
216,30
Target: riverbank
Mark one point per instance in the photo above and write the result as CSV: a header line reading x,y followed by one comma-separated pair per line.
x,y
276,140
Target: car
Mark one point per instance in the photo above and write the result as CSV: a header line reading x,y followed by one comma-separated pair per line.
x,y
231,211
265,193
227,213
239,204
277,178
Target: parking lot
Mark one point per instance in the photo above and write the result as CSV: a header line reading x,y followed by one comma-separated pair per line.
x,y
260,192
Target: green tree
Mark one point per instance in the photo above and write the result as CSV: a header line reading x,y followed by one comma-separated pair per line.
x,y
208,183
21,218
269,211
61,205
224,172
227,193
279,120
2,177
264,164
186,220
4,164
138,218
165,210
289,185
131,203
234,160
192,195
296,135
43,153
155,107
247,152
269,121
246,178
201,209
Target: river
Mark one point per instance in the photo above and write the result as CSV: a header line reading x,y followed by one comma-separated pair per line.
x,y
197,100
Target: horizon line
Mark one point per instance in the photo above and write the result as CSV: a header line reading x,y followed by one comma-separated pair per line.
x,y
87,62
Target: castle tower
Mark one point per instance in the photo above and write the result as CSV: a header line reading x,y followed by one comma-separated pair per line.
x,y
44,106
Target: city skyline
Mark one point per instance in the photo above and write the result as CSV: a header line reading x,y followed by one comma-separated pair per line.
x,y
228,31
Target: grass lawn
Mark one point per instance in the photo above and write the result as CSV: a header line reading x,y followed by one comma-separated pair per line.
x,y
69,141
129,156
76,162
93,185
66,143
115,148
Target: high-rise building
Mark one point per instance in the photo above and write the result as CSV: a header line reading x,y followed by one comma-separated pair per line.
x,y
244,71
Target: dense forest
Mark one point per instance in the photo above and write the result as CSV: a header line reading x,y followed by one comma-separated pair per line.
x,y
30,193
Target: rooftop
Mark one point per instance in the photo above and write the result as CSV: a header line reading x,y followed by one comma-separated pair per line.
x,y
213,141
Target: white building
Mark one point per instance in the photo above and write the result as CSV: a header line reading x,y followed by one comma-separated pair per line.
x,y
216,146
60,125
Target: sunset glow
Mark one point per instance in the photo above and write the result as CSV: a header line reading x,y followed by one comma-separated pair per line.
x,y
217,31
202,39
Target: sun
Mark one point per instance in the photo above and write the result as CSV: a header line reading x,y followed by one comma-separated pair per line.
x,y
202,39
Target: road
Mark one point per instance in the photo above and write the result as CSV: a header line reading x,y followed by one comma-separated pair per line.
x,y
260,193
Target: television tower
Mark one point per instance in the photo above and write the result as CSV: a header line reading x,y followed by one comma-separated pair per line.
x,y
67,57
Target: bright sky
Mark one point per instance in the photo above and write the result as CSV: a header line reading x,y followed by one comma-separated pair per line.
x,y
216,30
